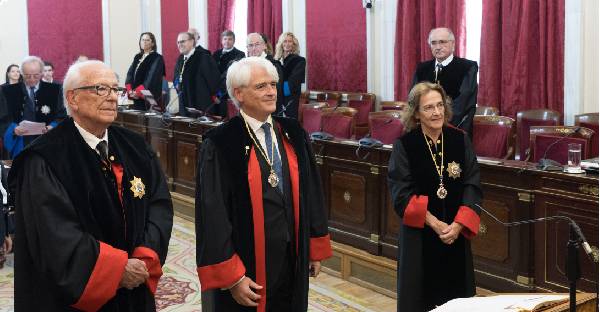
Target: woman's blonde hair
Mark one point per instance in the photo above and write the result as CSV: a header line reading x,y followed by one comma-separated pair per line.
x,y
279,47
409,118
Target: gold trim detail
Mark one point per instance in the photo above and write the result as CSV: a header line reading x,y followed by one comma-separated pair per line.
x,y
186,160
347,197
588,189
525,280
482,228
374,170
374,238
137,187
319,159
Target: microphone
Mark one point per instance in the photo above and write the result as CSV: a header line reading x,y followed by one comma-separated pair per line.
x,y
549,164
204,117
586,246
322,135
368,141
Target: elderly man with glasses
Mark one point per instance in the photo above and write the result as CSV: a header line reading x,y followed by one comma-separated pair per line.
x,y
458,77
93,210
31,100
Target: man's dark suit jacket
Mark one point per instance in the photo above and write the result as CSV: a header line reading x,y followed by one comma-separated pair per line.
x,y
459,80
200,80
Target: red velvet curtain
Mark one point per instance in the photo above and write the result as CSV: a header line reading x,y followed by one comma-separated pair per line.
x,y
522,55
173,19
415,18
265,16
220,18
336,45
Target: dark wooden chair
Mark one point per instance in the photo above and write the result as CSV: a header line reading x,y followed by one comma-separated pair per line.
x,y
541,137
232,109
311,116
393,105
486,111
494,136
364,103
386,126
339,121
589,120
526,120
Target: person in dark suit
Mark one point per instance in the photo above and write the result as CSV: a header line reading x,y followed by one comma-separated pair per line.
x,y
196,76
458,77
257,45
261,226
294,71
224,57
32,100
146,72
48,74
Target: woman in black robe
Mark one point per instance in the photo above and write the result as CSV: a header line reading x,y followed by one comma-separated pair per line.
x,y
434,182
294,71
145,73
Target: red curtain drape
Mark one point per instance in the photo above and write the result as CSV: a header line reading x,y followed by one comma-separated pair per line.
x,y
522,55
265,16
220,18
173,19
415,18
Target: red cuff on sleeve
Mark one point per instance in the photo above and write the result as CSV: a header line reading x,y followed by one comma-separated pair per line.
x,y
152,261
138,91
128,87
221,275
469,219
414,214
320,248
104,280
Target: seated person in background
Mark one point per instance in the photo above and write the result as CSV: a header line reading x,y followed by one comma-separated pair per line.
x,y
32,100
294,71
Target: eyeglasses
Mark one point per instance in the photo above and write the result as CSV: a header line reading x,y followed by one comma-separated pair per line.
x,y
441,42
183,41
103,90
38,75
254,45
430,108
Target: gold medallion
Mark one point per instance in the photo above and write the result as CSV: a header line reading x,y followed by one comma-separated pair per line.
x,y
454,170
441,192
273,179
137,187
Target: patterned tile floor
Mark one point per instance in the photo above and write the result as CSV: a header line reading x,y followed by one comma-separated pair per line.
x,y
178,288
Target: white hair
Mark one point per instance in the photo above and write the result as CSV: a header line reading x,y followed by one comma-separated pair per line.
x,y
450,34
240,72
74,77
32,59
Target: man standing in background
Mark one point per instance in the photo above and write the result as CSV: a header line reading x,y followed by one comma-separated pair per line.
x,y
458,77
257,46
224,57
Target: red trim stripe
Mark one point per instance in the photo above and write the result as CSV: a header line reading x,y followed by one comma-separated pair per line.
x,y
138,91
118,172
470,219
256,198
152,261
414,214
104,280
222,274
294,178
320,248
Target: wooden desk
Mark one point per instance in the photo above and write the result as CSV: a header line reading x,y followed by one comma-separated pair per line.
x,y
518,259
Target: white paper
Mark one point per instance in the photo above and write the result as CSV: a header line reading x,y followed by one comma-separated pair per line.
x,y
32,128
501,303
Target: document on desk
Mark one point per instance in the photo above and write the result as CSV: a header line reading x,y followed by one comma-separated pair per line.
x,y
32,128
502,303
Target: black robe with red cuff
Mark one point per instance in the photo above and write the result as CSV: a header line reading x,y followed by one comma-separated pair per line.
x,y
148,76
230,231
77,224
431,272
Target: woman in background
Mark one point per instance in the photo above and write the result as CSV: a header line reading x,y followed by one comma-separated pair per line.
x,y
434,183
145,73
13,74
294,71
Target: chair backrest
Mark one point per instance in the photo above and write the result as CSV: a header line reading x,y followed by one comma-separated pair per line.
x,y
332,98
304,97
232,110
386,126
527,119
393,105
541,137
494,136
311,116
486,111
339,121
363,103
590,120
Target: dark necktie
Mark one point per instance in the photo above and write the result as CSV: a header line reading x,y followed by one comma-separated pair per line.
x,y
270,151
438,70
102,148
29,109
